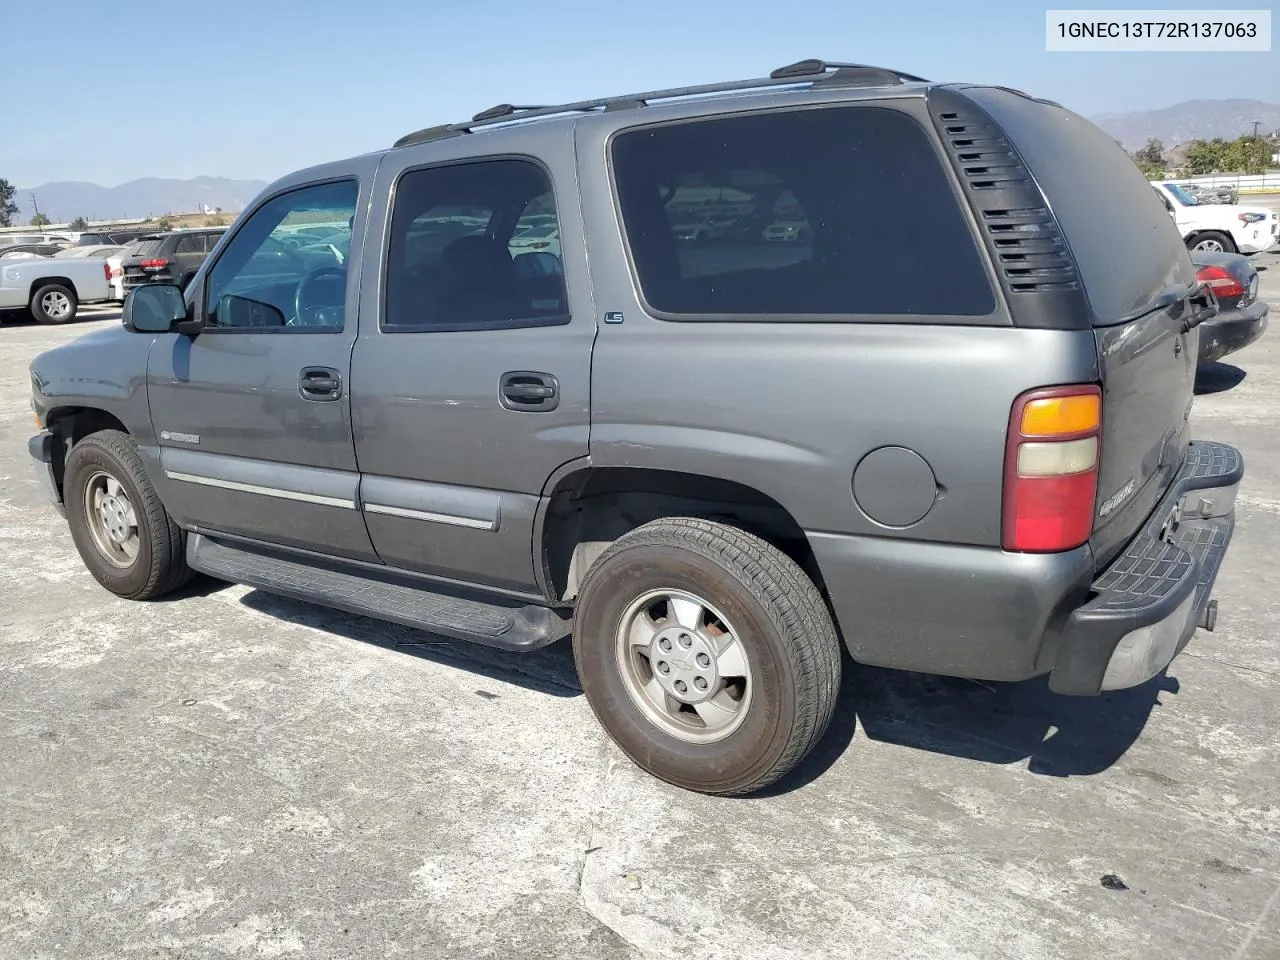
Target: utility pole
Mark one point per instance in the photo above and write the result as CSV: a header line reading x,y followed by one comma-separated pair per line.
x,y
34,204
1256,125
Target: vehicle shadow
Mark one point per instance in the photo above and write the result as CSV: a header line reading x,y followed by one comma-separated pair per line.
x,y
998,723
23,318
549,670
1217,377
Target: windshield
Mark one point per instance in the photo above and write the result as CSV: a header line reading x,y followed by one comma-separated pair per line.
x,y
1184,198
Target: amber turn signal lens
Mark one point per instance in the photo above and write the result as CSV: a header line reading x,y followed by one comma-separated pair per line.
x,y
1061,416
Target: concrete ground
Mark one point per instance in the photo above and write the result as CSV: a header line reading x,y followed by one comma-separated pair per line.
x,y
235,775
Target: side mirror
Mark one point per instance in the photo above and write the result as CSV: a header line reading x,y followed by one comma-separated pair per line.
x,y
154,308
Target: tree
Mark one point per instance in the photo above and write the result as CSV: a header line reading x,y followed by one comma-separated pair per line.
x,y
164,225
1247,154
8,209
1151,152
40,220
79,224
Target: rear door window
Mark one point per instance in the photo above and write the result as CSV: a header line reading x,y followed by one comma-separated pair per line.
x,y
837,212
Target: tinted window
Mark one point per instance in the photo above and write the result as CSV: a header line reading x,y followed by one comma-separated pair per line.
x,y
835,211
193,243
474,246
149,248
260,282
1124,242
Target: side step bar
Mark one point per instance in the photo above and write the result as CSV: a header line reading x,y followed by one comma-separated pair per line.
x,y
509,627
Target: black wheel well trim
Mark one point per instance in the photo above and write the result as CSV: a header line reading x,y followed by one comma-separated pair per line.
x,y
648,489
72,423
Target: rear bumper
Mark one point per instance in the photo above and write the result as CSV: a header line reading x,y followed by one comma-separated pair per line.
x,y
1145,607
1232,331
988,614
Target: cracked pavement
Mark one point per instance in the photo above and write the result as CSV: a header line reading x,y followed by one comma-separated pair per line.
x,y
230,774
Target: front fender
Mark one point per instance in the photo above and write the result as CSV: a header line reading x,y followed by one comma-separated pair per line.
x,y
104,371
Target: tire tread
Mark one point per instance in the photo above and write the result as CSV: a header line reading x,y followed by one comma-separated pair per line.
x,y
169,569
792,602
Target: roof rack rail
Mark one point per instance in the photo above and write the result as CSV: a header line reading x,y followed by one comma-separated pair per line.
x,y
822,73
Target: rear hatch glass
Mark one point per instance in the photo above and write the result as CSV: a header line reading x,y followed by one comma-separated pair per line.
x,y
148,248
1137,275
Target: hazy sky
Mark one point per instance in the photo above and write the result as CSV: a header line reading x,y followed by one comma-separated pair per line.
x,y
255,88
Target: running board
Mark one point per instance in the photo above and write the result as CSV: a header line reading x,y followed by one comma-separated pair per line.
x,y
509,627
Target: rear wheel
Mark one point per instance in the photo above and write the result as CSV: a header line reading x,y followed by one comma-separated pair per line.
x,y
707,655
1212,241
123,533
54,303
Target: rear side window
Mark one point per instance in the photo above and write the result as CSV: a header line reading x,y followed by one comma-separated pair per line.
x,y
474,246
1124,242
833,212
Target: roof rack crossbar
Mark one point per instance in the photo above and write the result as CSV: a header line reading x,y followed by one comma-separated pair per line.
x,y
803,72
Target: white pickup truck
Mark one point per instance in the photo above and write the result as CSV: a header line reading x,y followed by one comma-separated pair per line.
x,y
1219,227
52,289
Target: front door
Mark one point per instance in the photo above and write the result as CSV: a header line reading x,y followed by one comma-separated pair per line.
x,y
253,415
472,368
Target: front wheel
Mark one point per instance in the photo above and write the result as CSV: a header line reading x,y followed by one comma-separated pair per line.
x,y
1212,241
706,654
54,303
121,529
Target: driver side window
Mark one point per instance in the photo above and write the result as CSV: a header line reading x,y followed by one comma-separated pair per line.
x,y
286,267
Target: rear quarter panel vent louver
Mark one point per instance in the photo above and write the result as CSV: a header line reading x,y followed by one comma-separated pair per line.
x,y
1021,234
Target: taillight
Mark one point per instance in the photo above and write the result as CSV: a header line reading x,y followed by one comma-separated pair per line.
x,y
1220,280
113,272
1051,469
157,263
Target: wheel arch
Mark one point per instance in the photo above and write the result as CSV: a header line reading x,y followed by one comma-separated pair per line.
x,y
47,281
586,508
71,424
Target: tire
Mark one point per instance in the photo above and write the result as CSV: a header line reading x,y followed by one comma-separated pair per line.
x,y
785,694
1211,240
158,563
54,303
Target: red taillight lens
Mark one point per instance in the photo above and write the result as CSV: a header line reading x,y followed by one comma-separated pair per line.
x,y
158,263
106,270
1051,469
1220,280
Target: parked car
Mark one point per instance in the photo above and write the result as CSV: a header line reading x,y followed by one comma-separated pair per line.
x,y
115,268
102,251
1242,314
29,251
52,289
118,237
788,231
697,459
172,257
13,239
1217,228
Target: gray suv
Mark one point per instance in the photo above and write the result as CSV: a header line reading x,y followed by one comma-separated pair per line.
x,y
920,389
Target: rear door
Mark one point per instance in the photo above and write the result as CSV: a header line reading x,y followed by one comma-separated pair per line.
x,y
471,373
1138,278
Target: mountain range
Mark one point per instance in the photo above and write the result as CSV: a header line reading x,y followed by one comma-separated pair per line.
x,y
152,197
1192,120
